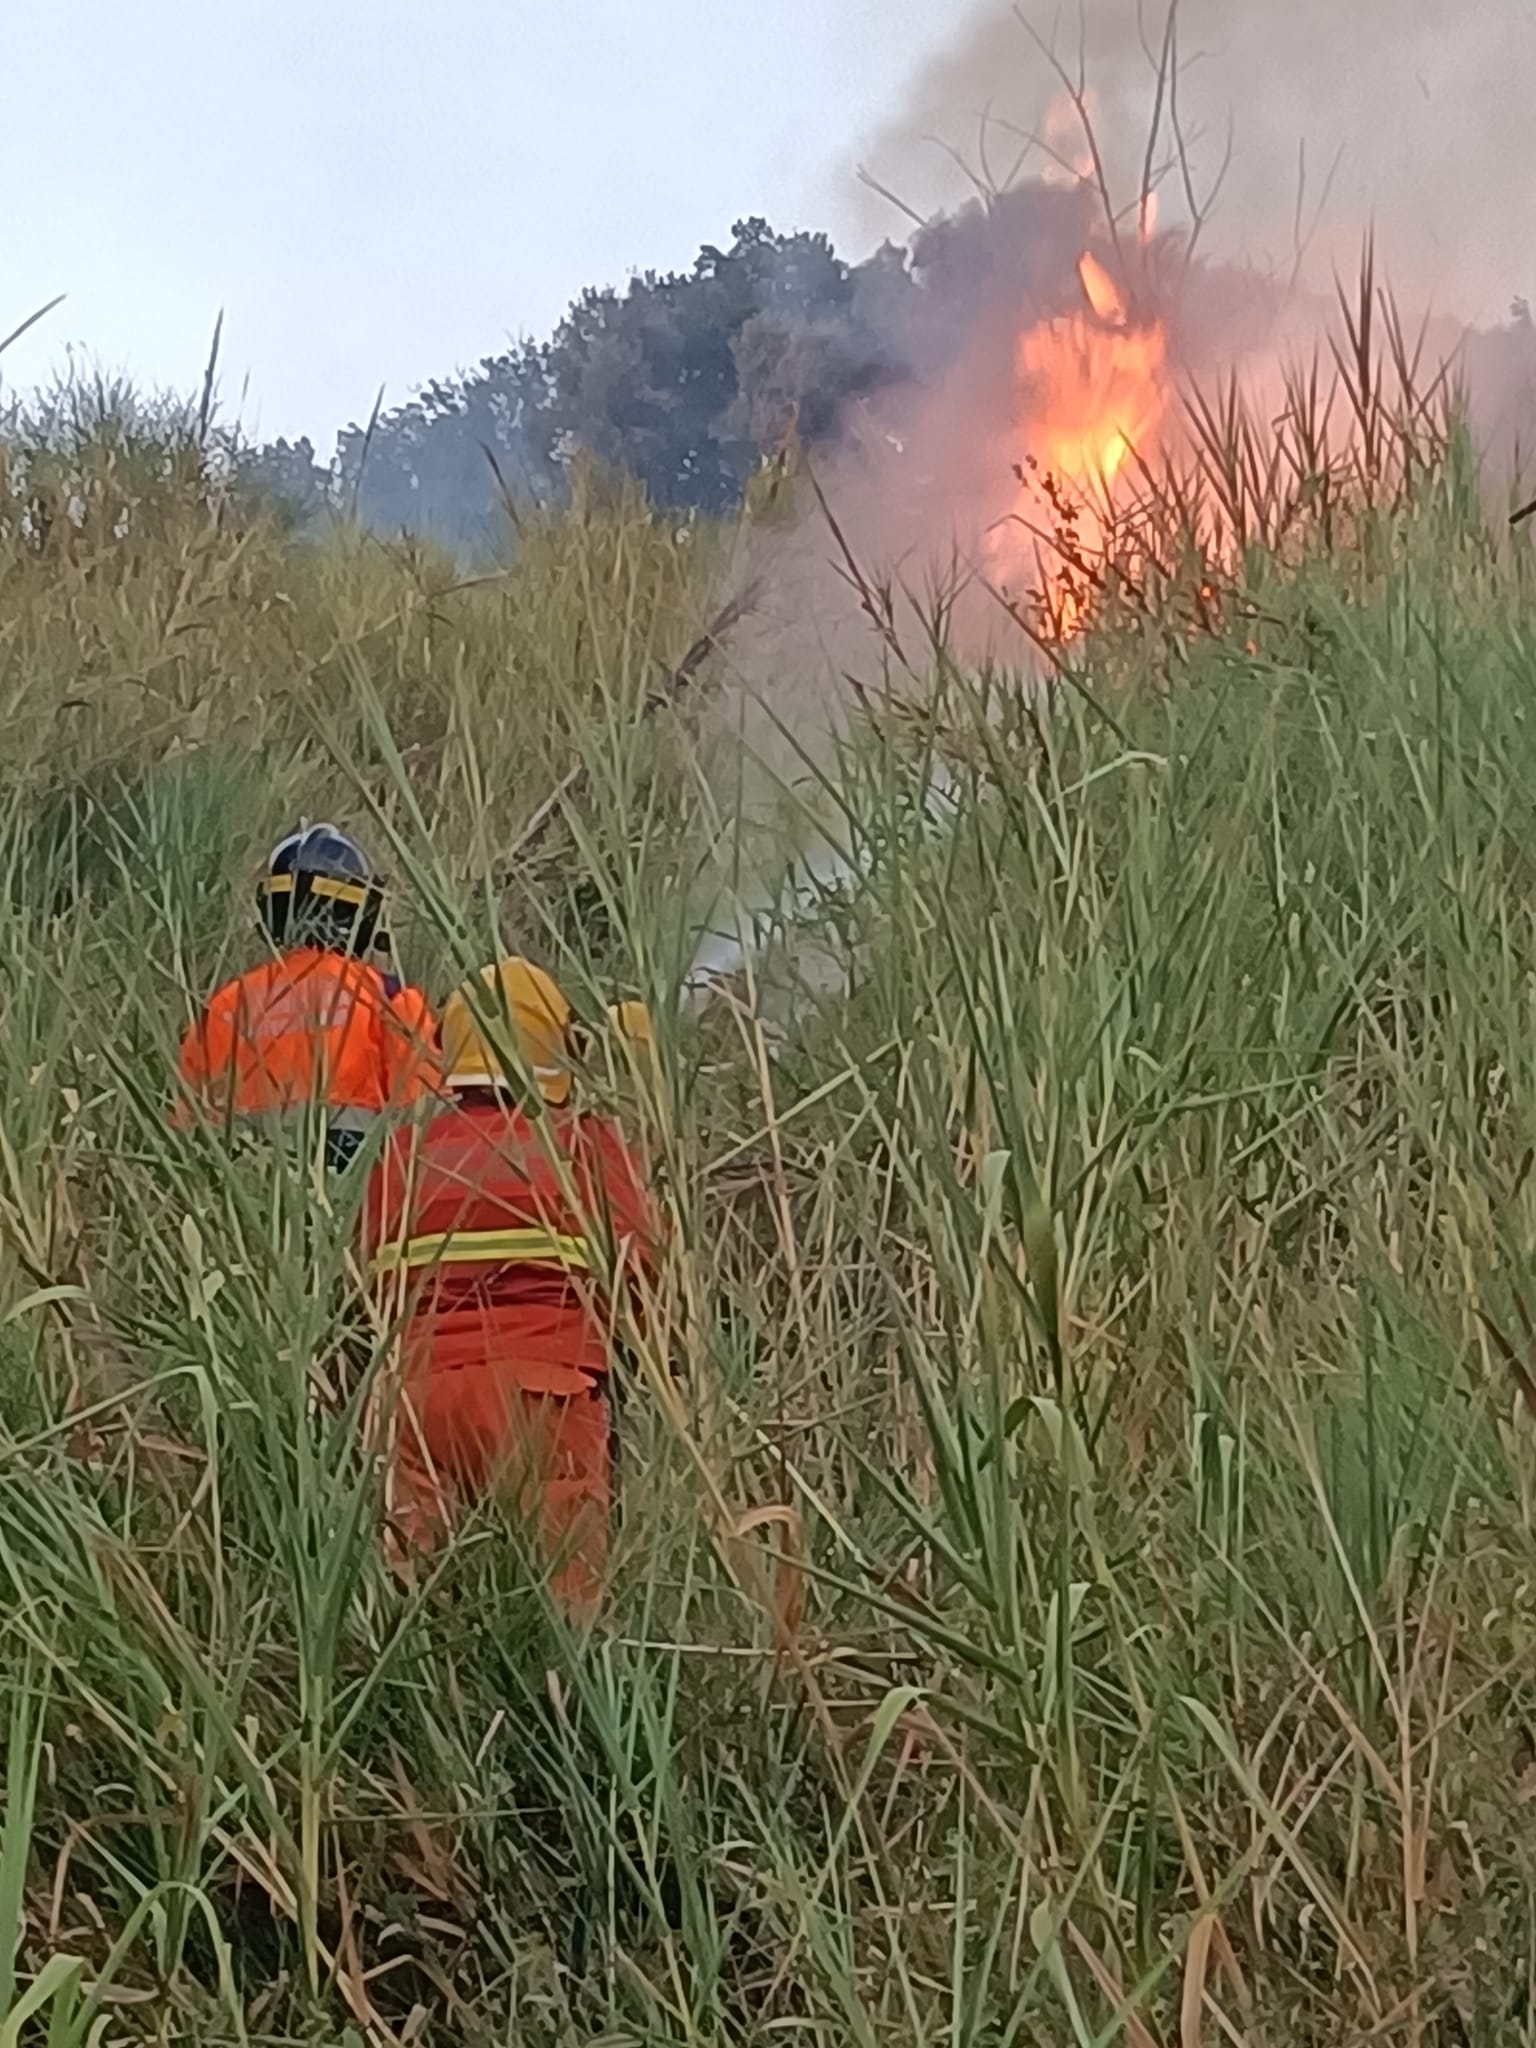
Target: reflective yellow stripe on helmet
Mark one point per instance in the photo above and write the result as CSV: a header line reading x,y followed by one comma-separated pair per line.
x,y
478,1247
354,893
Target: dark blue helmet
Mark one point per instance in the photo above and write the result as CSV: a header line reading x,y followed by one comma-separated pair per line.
x,y
320,889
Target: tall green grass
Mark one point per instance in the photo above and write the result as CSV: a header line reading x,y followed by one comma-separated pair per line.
x,y
1075,1573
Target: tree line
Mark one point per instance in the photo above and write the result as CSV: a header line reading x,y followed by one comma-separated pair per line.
x,y
682,379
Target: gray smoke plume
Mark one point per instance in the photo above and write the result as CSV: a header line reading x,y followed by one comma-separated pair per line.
x,y
1409,114
1278,136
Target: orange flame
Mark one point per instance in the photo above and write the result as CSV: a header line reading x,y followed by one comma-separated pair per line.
x,y
1100,288
1094,386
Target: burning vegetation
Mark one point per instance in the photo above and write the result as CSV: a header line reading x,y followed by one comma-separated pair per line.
x,y
1093,388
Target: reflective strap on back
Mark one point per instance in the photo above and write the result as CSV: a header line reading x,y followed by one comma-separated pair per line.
x,y
532,1246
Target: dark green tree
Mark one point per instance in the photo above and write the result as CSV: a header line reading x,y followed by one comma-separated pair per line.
x,y
682,379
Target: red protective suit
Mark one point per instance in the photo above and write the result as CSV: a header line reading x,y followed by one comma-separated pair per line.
x,y
502,1238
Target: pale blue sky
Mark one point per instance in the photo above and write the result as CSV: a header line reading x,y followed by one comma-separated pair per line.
x,y
376,191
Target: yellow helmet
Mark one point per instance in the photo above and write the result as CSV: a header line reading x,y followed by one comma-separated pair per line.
x,y
631,1022
533,1015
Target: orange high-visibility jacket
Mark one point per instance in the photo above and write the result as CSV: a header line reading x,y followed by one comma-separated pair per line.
x,y
311,1027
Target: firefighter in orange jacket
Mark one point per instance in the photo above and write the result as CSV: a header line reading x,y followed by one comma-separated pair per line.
x,y
503,1236
324,1026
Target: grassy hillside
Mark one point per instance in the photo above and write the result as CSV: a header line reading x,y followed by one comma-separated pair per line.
x,y
1076,1582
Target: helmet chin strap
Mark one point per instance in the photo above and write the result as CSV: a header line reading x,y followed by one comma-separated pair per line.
x,y
381,958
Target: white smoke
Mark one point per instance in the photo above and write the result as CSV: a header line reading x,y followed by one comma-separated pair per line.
x,y
792,934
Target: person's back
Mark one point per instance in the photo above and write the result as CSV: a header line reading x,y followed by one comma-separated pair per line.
x,y
500,1215
310,1027
318,1028
502,1237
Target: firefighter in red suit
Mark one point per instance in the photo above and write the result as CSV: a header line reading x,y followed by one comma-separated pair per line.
x,y
504,1239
